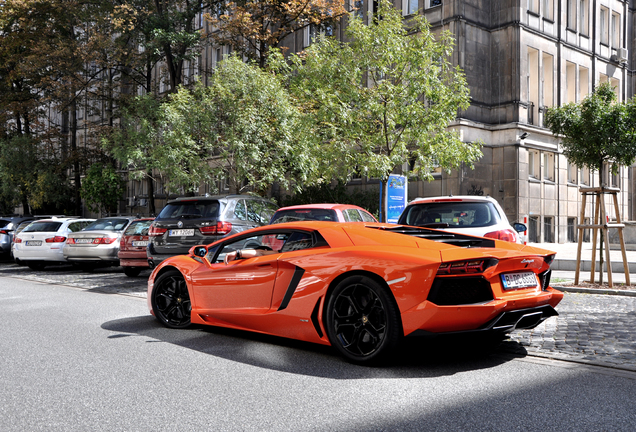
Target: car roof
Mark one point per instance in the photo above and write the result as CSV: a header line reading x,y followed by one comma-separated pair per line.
x,y
453,198
322,206
215,197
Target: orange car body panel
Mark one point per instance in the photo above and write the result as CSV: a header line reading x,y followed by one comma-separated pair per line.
x,y
248,294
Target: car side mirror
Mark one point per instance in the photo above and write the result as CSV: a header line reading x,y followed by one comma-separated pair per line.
x,y
519,227
199,251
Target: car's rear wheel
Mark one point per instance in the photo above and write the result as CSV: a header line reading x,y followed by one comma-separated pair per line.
x,y
132,271
362,320
171,300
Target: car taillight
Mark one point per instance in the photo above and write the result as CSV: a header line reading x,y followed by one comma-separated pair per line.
x,y
466,267
220,228
4,232
17,240
154,231
70,241
104,240
56,239
505,235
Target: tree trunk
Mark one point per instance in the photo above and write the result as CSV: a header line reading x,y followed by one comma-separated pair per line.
x,y
75,154
384,199
151,194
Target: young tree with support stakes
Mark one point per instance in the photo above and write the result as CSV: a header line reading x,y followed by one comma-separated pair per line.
x,y
383,100
595,132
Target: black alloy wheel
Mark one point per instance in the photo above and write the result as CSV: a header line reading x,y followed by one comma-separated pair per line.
x,y
362,320
132,271
171,300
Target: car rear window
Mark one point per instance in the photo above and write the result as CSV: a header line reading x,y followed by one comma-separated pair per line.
x,y
304,214
43,227
192,209
4,223
107,225
457,214
138,228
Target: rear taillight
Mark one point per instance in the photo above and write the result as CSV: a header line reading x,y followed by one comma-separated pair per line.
x,y
466,267
221,228
154,231
104,240
505,235
70,241
4,232
56,239
17,240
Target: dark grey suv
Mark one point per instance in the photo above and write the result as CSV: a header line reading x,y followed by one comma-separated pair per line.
x,y
191,221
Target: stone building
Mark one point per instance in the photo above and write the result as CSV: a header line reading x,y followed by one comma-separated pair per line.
x,y
520,57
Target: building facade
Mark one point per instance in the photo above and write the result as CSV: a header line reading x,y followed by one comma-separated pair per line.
x,y
521,57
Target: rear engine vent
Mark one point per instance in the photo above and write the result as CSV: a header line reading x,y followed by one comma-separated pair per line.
x,y
545,279
451,291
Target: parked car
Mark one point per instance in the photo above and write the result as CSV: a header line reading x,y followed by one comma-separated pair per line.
x,y
190,221
98,243
132,247
472,215
42,241
7,230
322,212
359,288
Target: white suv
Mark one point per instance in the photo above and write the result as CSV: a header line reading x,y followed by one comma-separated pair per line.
x,y
466,214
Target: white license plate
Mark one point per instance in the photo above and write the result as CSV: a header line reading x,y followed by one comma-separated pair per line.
x,y
181,232
34,243
519,280
83,241
140,243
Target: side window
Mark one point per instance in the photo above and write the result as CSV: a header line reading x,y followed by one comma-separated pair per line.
x,y
264,242
366,216
74,227
239,211
352,215
298,241
259,211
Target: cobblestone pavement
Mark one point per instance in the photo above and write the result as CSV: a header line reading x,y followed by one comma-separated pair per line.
x,y
591,328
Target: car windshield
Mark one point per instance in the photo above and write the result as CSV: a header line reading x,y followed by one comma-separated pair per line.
x,y
455,214
107,225
304,214
43,227
138,228
190,209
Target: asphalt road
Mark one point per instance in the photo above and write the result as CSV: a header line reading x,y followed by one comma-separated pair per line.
x,y
76,359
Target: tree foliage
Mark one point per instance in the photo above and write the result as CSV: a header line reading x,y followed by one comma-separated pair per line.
x,y
383,99
252,28
597,130
102,188
242,127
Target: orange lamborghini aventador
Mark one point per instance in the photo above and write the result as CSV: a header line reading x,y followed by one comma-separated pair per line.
x,y
357,287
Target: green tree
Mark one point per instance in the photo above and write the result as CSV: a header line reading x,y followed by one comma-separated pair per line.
x,y
383,100
242,127
596,131
102,188
256,126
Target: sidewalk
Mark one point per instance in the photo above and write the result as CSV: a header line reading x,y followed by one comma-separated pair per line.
x,y
564,265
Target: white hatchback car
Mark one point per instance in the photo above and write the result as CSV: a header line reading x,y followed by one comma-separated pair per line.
x,y
42,241
465,214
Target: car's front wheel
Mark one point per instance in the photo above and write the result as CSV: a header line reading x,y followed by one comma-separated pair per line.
x,y
362,320
171,300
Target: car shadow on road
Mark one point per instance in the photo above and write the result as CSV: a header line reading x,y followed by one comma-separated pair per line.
x,y
420,357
